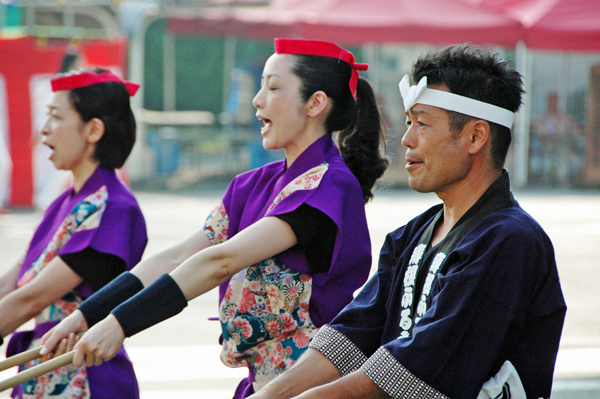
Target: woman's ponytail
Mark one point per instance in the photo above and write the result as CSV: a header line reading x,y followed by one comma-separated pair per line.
x,y
358,122
361,143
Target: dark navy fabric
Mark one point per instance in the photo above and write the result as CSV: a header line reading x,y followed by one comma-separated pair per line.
x,y
497,297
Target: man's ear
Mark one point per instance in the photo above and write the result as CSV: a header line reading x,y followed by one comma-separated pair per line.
x,y
94,130
317,104
479,135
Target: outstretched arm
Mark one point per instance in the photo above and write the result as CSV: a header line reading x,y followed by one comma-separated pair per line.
x,y
8,281
315,377
353,386
313,369
200,273
146,271
22,304
215,265
170,258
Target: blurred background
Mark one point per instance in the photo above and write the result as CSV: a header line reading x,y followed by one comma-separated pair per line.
x,y
199,64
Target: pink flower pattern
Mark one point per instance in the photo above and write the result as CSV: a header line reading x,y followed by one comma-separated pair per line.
x,y
216,225
309,180
66,382
265,311
242,327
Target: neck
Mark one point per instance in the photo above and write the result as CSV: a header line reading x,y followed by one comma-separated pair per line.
x,y
82,173
294,149
460,198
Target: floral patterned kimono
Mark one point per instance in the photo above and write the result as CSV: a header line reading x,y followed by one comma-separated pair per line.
x,y
270,311
105,216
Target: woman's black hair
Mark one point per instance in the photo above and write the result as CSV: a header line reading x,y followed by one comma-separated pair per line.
x,y
108,102
358,122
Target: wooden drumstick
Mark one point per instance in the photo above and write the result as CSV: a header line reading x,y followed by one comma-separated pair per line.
x,y
20,358
36,371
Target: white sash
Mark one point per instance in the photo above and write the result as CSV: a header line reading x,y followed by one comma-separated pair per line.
x,y
504,385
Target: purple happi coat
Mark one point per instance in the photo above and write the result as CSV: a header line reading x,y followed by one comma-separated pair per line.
x,y
105,216
271,310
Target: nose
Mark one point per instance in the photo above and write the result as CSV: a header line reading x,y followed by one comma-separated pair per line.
x,y
45,129
258,100
408,140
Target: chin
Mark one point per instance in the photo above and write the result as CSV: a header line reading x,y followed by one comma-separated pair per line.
x,y
420,188
267,145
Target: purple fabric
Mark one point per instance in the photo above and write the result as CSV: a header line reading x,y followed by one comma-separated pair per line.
x,y
122,232
112,379
245,388
20,342
122,215
338,195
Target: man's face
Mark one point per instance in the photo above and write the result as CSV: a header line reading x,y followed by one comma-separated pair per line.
x,y
437,158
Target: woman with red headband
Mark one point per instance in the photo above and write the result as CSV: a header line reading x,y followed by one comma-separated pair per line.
x,y
289,243
89,235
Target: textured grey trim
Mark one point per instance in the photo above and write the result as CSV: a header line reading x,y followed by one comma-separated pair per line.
x,y
395,379
338,349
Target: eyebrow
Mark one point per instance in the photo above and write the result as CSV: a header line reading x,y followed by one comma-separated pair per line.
x,y
52,107
271,75
417,112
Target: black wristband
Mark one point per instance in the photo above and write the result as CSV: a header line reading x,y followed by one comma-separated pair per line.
x,y
99,305
157,302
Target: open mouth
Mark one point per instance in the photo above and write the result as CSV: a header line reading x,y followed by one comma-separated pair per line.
x,y
50,147
266,125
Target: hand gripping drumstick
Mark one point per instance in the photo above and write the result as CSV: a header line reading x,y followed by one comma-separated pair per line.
x,y
33,372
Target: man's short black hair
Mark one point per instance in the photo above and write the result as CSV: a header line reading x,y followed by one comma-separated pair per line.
x,y
474,72
110,103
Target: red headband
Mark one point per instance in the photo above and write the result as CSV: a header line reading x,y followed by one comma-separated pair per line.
x,y
323,49
84,79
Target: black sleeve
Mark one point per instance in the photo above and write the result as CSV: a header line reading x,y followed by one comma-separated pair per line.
x,y
315,233
94,267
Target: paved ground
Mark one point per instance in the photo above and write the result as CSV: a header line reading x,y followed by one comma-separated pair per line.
x,y
179,358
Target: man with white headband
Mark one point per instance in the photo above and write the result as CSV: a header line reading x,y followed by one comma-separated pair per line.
x,y
466,302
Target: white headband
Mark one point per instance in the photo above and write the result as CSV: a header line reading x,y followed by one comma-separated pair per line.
x,y
420,94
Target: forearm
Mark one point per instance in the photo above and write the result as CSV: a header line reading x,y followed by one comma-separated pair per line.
x,y
203,271
170,258
313,369
53,282
170,293
17,309
153,267
356,385
8,281
215,265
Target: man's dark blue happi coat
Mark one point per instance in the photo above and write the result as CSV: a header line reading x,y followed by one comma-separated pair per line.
x,y
495,296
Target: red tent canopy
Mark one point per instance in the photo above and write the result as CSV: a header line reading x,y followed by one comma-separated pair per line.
x,y
552,24
359,21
